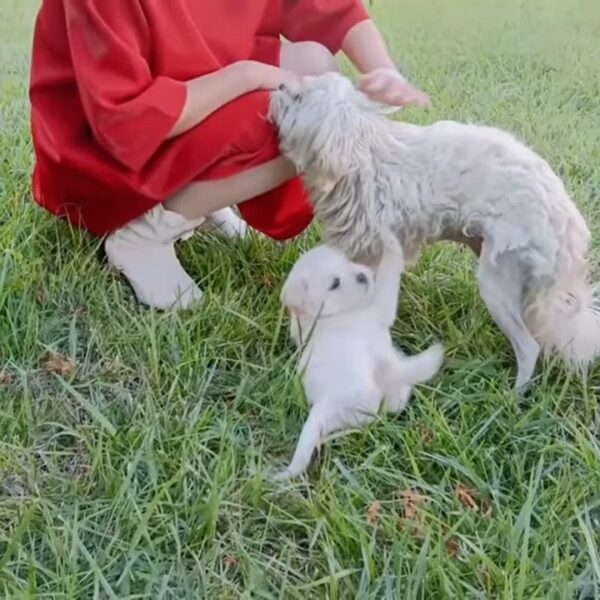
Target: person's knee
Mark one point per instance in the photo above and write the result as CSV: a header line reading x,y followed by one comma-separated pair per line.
x,y
319,59
308,58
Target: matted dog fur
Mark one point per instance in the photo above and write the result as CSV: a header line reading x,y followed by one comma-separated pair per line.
x,y
365,172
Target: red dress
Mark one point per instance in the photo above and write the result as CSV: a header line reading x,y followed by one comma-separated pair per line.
x,y
107,88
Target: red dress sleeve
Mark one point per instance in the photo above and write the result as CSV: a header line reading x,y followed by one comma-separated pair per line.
x,y
129,111
323,21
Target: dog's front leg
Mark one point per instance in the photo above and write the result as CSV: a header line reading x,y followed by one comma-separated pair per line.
x,y
387,279
320,422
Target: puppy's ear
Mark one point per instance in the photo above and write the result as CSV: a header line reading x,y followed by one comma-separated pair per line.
x,y
293,295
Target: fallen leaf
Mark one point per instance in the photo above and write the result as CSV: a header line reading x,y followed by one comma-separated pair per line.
x,y
465,497
411,500
373,512
269,281
110,365
40,295
414,525
78,464
231,561
7,377
453,547
427,436
59,365
487,508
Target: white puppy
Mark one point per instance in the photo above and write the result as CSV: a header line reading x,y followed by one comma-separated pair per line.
x,y
449,180
341,314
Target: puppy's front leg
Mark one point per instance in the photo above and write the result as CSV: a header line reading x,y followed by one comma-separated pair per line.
x,y
387,279
316,427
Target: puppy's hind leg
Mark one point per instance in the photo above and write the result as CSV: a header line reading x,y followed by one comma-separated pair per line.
x,y
397,373
501,287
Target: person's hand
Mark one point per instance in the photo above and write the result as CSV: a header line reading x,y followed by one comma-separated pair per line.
x,y
262,76
389,87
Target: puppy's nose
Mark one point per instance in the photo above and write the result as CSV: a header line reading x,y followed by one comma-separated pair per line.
x,y
362,279
281,88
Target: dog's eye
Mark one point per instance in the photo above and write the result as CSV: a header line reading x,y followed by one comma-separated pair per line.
x,y
335,284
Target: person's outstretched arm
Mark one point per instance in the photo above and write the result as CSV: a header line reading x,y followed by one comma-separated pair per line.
x,y
345,25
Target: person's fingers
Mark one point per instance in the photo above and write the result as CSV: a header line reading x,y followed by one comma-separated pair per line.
x,y
418,98
408,96
372,85
392,89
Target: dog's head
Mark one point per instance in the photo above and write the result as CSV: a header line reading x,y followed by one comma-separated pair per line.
x,y
324,124
324,283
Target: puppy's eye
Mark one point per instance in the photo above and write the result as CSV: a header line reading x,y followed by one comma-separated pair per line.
x,y
296,97
335,284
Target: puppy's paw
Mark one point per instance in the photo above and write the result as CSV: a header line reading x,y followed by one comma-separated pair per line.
x,y
277,475
435,356
390,244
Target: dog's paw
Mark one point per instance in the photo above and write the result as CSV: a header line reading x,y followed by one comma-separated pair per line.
x,y
278,475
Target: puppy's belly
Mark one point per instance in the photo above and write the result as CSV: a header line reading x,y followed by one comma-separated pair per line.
x,y
343,384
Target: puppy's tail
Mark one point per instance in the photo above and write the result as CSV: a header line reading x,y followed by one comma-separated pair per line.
x,y
420,368
564,317
315,428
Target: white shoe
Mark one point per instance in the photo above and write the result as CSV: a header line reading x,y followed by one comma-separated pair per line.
x,y
144,252
228,223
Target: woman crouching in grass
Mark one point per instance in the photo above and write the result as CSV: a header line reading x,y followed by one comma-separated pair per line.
x,y
148,119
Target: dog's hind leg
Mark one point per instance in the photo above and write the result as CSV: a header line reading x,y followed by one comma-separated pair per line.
x,y
397,373
502,286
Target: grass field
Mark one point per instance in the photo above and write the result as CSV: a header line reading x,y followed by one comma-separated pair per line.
x,y
133,444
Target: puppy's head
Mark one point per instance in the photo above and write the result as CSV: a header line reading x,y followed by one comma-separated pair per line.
x,y
324,124
324,283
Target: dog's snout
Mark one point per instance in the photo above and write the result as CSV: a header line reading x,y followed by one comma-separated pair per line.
x,y
362,279
281,87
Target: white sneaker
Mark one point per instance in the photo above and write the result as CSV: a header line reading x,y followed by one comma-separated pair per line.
x,y
228,223
144,252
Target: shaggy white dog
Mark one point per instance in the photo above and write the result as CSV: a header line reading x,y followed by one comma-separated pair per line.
x,y
449,181
341,313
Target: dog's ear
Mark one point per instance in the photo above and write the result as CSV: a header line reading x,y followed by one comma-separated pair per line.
x,y
294,295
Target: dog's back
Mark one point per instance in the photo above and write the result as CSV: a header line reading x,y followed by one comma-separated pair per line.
x,y
533,273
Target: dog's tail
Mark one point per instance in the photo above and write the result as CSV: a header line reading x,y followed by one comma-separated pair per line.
x,y
565,317
420,368
315,428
